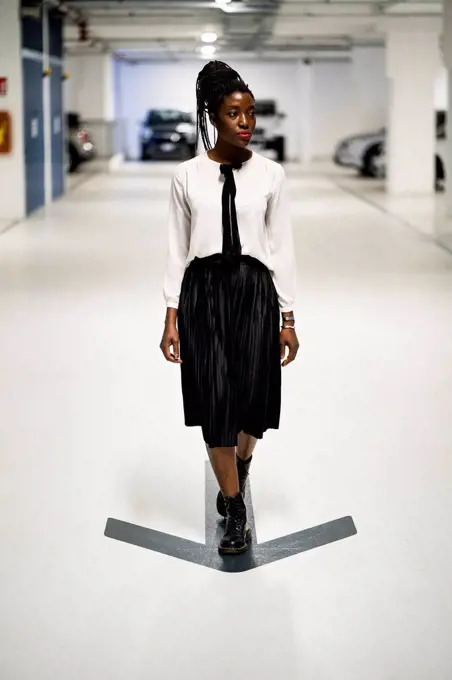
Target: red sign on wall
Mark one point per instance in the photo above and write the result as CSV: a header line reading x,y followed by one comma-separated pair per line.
x,y
3,87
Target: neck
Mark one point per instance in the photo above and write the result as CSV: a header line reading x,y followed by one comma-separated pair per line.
x,y
223,152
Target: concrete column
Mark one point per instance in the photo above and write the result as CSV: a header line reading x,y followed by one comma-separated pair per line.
x,y
413,64
447,57
90,89
12,166
304,89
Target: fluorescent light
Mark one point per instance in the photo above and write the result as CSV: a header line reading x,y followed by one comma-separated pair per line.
x,y
209,37
208,50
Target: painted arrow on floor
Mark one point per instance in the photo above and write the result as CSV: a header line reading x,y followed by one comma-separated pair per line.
x,y
206,554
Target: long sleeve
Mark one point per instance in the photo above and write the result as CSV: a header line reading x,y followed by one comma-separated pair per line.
x,y
281,243
179,222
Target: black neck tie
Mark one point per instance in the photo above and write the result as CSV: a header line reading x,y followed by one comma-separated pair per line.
x,y
232,247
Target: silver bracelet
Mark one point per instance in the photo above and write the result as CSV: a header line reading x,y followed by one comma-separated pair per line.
x,y
288,328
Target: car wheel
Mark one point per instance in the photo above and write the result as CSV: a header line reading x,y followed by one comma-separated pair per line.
x,y
439,173
144,153
368,167
279,146
74,158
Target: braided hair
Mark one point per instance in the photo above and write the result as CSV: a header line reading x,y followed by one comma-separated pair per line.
x,y
216,81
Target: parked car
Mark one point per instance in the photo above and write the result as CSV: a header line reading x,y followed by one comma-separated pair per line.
x,y
266,133
167,133
379,163
80,147
360,151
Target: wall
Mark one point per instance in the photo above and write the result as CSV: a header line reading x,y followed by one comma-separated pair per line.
x,y
12,181
332,104
90,88
335,85
143,86
442,90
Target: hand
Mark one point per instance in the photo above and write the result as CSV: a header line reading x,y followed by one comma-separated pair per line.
x,y
288,339
170,339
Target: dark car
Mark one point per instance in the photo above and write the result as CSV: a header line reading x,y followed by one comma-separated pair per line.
x,y
80,146
267,134
168,133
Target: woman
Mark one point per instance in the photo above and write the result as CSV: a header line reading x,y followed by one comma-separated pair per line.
x,y
230,273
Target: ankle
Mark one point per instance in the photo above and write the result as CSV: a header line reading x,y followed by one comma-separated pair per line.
x,y
244,457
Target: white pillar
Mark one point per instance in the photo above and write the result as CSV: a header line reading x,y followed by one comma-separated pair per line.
x,y
413,64
447,56
12,166
90,89
304,89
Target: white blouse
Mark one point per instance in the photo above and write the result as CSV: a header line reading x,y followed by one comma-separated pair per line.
x,y
195,221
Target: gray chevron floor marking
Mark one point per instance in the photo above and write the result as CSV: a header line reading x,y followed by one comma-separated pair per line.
x,y
206,554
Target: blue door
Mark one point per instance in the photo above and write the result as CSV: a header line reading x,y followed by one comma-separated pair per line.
x,y
56,106
34,134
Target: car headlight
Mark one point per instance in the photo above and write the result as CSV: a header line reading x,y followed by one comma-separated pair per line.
x,y
184,128
175,137
188,131
147,133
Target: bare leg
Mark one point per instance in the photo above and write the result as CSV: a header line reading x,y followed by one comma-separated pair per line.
x,y
246,446
224,465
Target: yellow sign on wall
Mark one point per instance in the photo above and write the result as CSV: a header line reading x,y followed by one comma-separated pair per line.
x,y
5,133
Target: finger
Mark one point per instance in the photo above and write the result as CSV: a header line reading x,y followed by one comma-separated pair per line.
x,y
176,349
292,355
282,350
166,349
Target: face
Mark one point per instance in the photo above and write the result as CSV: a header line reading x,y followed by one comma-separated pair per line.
x,y
236,119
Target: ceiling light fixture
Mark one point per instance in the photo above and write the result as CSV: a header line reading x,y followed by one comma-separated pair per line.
x,y
209,37
208,50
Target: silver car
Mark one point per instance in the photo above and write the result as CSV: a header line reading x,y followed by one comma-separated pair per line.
x,y
362,151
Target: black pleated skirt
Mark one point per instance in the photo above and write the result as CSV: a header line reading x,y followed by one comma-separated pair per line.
x,y
229,325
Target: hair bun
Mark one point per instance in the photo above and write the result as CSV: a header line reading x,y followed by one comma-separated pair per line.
x,y
219,69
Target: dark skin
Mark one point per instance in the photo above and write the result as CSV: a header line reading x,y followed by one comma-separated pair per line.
x,y
235,123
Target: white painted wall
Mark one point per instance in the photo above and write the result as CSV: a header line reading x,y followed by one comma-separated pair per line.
x,y
12,166
329,110
346,97
144,86
442,90
90,87
369,88
332,104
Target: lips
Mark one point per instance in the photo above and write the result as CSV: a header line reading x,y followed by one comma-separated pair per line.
x,y
245,135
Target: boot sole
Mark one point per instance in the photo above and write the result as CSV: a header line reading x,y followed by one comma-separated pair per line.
x,y
236,551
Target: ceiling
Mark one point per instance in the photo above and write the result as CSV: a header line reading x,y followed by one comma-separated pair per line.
x,y
171,29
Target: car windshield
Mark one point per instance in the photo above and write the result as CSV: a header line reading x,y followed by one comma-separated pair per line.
x,y
167,117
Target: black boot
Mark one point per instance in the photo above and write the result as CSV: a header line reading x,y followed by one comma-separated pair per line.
x,y
243,467
237,534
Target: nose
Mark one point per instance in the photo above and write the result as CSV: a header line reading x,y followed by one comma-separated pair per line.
x,y
243,121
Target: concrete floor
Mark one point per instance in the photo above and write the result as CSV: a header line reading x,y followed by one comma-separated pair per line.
x,y
92,427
